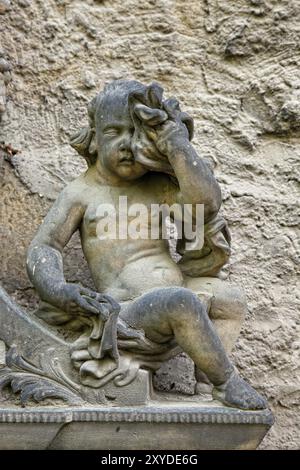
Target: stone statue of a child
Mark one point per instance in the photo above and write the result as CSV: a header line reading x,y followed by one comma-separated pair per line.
x,y
138,146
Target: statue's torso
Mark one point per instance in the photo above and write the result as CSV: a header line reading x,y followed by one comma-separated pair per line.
x,y
127,268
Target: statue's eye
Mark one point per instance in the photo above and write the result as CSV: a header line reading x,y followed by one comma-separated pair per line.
x,y
111,131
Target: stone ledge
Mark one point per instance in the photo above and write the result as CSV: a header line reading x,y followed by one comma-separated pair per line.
x,y
150,414
158,426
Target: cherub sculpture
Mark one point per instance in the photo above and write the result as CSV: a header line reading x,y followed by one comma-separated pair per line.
x,y
146,307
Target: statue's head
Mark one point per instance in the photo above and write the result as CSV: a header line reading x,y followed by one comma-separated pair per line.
x,y
107,140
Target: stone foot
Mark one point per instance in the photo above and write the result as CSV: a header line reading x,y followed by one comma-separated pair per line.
x,y
239,394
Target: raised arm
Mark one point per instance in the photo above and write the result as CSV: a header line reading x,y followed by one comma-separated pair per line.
x,y
197,183
169,133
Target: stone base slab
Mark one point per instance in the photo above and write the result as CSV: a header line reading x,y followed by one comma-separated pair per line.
x,y
157,426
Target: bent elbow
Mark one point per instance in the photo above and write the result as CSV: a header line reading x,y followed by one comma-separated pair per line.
x,y
37,253
213,204
211,210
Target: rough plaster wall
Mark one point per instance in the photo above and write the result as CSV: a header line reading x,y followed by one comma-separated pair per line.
x,y
235,66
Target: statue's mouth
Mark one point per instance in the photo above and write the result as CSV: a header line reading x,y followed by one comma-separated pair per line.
x,y
127,160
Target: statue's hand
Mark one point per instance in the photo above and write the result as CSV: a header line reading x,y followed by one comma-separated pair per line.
x,y
69,297
167,128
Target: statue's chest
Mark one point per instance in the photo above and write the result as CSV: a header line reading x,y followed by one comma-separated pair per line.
x,y
114,208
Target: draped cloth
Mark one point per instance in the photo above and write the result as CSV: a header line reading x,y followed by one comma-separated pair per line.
x,y
110,350
148,109
113,351
213,255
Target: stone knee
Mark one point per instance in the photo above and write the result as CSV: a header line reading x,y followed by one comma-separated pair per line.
x,y
183,305
227,312
228,303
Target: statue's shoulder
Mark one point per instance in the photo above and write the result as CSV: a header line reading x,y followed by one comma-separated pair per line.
x,y
75,191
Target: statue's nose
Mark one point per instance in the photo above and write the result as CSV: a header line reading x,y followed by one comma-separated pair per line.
x,y
126,142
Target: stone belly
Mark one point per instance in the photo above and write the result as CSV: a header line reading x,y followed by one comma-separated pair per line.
x,y
146,274
139,276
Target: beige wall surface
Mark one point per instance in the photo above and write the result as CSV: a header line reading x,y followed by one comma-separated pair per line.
x,y
235,67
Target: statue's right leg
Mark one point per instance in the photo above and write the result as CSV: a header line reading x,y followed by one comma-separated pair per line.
x,y
228,307
227,310
176,312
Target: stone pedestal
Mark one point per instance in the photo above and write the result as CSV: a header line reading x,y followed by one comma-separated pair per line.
x,y
157,426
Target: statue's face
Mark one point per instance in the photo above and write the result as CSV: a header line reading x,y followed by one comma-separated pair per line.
x,y
114,138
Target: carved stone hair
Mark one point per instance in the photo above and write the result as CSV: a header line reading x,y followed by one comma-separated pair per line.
x,y
81,141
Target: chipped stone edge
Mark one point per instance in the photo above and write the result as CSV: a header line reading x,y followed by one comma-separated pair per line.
x,y
157,414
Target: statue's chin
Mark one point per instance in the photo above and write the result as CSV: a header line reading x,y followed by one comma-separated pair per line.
x,y
131,171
